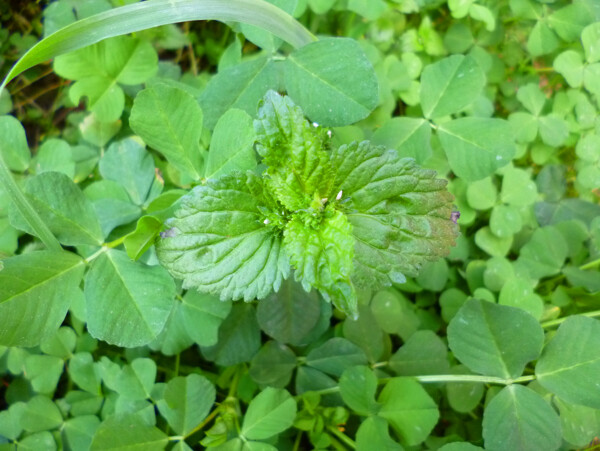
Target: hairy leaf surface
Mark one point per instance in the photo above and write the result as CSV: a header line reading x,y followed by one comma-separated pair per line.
x,y
294,152
322,256
220,244
400,214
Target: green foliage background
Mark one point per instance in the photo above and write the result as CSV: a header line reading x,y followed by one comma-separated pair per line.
x,y
495,347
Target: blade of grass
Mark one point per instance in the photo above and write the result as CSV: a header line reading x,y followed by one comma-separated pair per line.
x,y
26,209
153,13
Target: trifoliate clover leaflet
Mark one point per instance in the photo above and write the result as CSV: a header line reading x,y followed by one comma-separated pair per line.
x,y
359,216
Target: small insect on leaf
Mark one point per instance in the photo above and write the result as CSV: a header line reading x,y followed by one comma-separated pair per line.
x,y
455,216
169,233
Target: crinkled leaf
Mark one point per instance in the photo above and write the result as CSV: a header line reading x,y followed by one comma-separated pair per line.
x,y
293,150
400,214
322,257
218,241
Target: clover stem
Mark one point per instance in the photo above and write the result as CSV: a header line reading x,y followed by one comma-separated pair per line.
x,y
447,378
343,437
556,322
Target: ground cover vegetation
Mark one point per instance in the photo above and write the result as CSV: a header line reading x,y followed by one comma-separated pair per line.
x,y
303,224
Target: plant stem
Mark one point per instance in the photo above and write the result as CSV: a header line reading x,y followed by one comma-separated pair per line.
x,y
472,378
337,445
297,441
33,80
116,242
26,209
177,361
343,437
31,98
207,420
591,264
379,364
588,265
446,378
556,322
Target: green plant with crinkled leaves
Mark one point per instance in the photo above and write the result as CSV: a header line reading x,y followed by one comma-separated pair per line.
x,y
495,347
358,216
